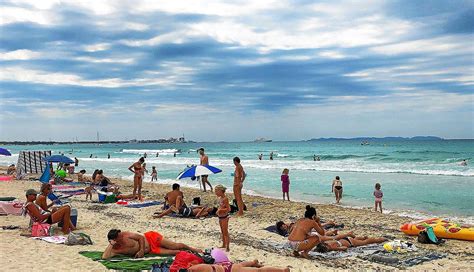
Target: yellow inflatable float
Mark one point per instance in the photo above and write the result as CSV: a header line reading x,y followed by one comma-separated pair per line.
x,y
442,229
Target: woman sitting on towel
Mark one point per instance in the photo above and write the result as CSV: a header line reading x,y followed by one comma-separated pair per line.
x,y
301,238
248,266
105,183
39,215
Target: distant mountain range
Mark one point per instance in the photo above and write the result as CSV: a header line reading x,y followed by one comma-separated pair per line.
x,y
416,138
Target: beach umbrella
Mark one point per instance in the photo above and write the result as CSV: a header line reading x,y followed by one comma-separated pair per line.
x,y
198,170
58,158
5,152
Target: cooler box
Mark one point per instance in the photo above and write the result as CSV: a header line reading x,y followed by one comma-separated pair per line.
x,y
102,197
73,218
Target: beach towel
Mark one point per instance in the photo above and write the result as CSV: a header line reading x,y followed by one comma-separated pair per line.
x,y
351,252
70,192
273,229
127,263
10,207
142,204
403,260
52,239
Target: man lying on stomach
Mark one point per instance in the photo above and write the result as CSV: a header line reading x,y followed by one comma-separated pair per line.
x,y
137,245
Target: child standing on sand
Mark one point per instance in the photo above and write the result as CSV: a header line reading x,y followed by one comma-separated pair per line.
x,y
285,183
154,174
223,214
378,196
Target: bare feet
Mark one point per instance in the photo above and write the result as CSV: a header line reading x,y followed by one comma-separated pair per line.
x,y
305,255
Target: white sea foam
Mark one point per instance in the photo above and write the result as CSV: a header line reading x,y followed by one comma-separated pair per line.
x,y
152,152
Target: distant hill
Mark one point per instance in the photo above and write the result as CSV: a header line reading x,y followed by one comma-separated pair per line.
x,y
416,138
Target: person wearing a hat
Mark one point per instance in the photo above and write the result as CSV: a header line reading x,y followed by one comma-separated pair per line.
x,y
39,215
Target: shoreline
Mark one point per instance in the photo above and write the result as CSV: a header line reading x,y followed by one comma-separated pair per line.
x,y
412,214
247,232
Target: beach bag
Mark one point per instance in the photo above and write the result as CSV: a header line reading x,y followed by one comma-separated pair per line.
x,y
110,199
197,201
78,239
184,260
40,229
427,236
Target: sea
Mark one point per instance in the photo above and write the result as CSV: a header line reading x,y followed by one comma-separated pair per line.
x,y
419,179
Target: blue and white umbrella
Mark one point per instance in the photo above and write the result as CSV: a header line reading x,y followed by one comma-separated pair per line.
x,y
198,170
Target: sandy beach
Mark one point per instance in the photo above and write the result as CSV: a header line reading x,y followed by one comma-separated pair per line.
x,y
20,253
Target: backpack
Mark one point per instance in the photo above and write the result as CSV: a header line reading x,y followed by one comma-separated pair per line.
x,y
184,260
428,236
78,239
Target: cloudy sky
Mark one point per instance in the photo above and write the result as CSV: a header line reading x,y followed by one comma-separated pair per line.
x,y
235,70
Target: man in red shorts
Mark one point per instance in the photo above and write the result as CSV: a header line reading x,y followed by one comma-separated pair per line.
x,y
137,245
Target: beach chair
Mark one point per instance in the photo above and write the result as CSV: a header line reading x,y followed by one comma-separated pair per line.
x,y
59,200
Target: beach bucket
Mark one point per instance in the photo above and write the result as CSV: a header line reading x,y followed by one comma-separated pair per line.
x,y
73,218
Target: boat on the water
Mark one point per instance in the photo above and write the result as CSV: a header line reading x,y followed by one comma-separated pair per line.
x,y
262,140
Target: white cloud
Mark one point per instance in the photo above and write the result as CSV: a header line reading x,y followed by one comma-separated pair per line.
x,y
446,45
15,14
97,47
22,54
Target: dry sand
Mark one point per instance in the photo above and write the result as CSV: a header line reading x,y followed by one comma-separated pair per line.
x,y
19,253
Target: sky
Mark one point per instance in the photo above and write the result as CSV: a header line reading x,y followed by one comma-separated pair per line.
x,y
235,70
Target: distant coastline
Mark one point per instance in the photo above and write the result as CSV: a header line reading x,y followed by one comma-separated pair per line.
x,y
181,140
159,141
415,138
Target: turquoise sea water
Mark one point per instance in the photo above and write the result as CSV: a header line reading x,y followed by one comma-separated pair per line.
x,y
419,178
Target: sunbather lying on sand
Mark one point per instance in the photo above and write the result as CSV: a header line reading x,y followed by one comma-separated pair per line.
x,y
248,266
197,212
345,243
137,245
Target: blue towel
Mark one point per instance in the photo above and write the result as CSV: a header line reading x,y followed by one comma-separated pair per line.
x,y
144,204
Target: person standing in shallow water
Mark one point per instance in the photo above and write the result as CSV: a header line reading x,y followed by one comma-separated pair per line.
x,y
337,189
239,177
285,183
204,160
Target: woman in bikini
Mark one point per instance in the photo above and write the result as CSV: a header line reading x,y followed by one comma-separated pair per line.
x,y
39,215
223,214
337,189
301,238
137,178
248,266
347,242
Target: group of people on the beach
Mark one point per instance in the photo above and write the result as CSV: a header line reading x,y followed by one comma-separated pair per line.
x,y
304,235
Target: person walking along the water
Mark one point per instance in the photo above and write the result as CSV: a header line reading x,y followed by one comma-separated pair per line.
x,y
154,174
239,177
285,183
337,189
137,178
204,160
